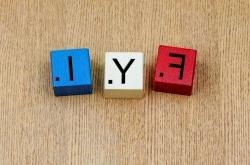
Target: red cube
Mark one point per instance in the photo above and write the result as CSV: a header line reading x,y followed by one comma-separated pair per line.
x,y
174,70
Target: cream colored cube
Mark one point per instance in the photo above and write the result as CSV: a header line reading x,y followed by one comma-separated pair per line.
x,y
123,75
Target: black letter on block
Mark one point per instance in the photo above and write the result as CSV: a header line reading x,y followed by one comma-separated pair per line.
x,y
181,66
71,78
123,71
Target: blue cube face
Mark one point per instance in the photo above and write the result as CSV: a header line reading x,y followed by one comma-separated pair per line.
x,y
71,72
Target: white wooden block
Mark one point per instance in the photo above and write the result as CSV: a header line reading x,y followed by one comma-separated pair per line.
x,y
123,77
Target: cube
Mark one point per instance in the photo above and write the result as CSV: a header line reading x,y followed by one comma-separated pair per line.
x,y
174,70
71,72
123,77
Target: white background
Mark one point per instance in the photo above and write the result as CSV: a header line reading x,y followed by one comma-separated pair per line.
x,y
134,75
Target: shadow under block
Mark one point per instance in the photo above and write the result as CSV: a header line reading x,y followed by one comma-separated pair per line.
x,y
174,70
123,75
71,72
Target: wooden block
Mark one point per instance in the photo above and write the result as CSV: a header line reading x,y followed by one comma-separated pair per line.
x,y
174,70
123,75
71,72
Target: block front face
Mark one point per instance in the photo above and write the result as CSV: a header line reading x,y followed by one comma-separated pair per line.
x,y
71,72
123,75
174,70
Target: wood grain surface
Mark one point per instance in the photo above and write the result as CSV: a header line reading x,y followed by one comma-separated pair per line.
x,y
210,127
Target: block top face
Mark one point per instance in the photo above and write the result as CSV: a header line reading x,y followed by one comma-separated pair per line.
x,y
169,67
70,67
130,63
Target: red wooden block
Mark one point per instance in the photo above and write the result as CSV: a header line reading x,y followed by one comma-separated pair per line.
x,y
174,70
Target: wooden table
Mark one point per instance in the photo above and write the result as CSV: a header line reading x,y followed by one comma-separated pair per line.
x,y
210,127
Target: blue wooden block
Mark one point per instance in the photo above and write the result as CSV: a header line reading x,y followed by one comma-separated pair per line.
x,y
71,72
